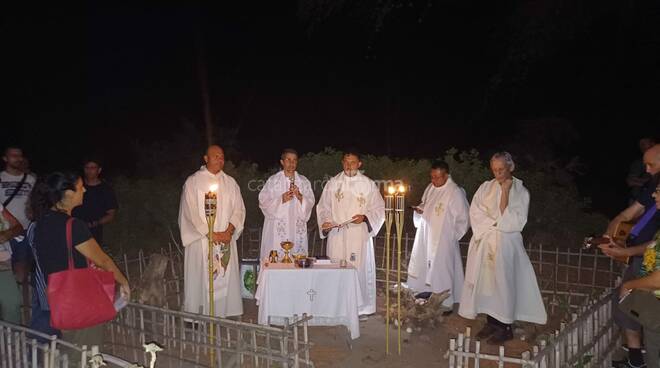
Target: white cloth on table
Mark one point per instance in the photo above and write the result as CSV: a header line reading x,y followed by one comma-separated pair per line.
x,y
331,295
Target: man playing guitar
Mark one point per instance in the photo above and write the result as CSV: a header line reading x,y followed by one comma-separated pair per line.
x,y
647,217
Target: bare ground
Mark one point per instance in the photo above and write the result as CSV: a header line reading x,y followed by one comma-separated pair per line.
x,y
334,348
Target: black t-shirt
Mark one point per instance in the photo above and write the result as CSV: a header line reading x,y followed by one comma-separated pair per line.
x,y
50,242
97,201
645,198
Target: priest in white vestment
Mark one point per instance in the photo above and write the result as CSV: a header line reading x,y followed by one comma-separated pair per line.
x,y
194,236
441,221
351,196
499,278
286,201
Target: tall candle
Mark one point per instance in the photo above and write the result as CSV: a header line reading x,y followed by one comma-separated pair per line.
x,y
389,198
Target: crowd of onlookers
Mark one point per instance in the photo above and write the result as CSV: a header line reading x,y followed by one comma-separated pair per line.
x,y
33,237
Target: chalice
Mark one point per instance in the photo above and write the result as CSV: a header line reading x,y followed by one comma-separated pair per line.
x,y
287,246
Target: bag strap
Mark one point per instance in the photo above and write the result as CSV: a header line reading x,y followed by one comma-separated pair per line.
x,y
69,242
40,279
16,190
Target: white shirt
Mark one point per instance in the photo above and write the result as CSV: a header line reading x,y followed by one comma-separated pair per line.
x,y
18,205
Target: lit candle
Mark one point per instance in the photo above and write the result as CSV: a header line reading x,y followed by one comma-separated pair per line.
x,y
211,201
389,198
400,198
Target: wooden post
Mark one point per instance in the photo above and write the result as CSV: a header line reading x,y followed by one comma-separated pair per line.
x,y
452,358
467,346
500,361
307,347
295,340
459,361
477,350
284,343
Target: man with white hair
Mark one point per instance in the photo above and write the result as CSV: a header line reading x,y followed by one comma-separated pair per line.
x,y
499,278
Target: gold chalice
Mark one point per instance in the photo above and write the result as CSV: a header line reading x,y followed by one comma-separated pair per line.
x,y
287,246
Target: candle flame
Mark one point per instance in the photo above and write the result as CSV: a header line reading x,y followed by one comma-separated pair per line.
x,y
391,190
213,188
402,189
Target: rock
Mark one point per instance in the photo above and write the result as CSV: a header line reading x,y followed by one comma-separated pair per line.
x,y
409,330
150,288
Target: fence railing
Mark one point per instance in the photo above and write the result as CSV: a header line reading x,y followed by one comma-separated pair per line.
x,y
21,347
185,339
571,282
588,340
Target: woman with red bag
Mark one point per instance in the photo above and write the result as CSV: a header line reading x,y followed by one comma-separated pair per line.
x,y
51,237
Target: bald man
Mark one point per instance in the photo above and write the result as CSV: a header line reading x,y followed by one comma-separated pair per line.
x,y
194,236
644,213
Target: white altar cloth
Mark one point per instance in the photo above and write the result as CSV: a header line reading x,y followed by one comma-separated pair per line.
x,y
330,294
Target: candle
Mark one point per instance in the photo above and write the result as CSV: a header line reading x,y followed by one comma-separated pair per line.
x,y
400,198
211,201
399,202
389,198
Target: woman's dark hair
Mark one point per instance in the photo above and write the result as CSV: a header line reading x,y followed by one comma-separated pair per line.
x,y
50,190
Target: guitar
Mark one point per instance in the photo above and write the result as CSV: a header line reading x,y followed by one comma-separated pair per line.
x,y
621,234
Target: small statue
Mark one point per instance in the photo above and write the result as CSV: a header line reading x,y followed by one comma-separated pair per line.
x,y
152,348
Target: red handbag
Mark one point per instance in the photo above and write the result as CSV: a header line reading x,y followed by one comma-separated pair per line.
x,y
80,297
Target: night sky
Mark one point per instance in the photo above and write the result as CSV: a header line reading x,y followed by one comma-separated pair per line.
x,y
410,81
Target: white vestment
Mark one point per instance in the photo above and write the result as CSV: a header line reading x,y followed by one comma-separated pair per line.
x,y
194,232
499,278
342,198
435,263
285,221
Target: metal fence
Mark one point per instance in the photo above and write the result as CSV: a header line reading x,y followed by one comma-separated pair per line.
x,y
21,347
588,340
575,285
186,341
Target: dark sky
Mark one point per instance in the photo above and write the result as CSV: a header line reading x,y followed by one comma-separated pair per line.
x,y
410,82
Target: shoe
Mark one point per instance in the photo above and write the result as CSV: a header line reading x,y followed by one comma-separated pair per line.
x,y
625,363
502,335
624,347
363,317
487,331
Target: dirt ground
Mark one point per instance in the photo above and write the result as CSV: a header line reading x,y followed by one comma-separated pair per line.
x,y
334,348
